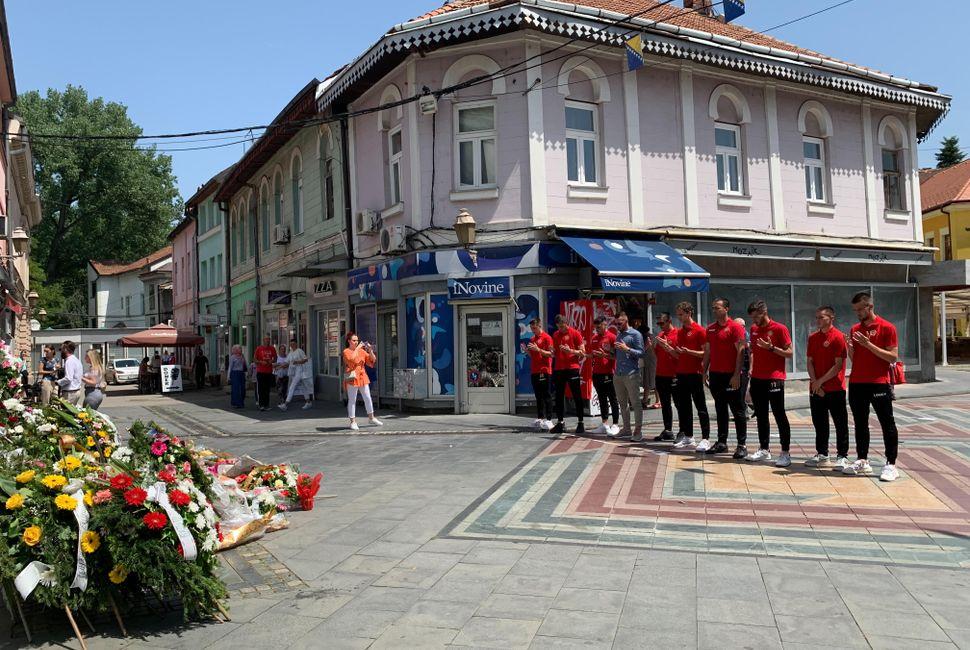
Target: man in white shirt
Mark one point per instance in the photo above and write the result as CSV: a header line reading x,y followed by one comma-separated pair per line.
x,y
71,384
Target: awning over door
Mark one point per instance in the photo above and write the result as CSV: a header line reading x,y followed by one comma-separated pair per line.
x,y
632,266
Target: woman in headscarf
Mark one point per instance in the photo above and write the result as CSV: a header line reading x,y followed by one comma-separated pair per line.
x,y
237,377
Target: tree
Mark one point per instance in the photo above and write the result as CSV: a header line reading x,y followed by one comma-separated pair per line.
x,y
102,199
949,153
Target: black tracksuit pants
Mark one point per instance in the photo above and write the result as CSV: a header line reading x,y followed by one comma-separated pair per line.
x,y
606,392
563,378
667,388
729,401
542,389
831,403
690,395
770,393
879,396
264,386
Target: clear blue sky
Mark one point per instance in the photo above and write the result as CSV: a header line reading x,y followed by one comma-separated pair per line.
x,y
189,66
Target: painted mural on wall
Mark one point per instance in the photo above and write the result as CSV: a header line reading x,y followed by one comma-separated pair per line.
x,y
416,331
365,324
528,308
442,345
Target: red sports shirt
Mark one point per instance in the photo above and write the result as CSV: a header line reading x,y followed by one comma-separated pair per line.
x,y
723,340
692,338
823,349
765,364
572,339
867,368
607,341
666,363
264,357
541,363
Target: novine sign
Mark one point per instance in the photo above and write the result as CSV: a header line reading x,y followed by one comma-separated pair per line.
x,y
615,283
480,288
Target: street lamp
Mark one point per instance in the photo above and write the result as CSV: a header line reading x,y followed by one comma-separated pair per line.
x,y
465,231
32,299
41,313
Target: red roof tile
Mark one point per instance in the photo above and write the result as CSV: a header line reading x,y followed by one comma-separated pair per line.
x,y
111,267
945,186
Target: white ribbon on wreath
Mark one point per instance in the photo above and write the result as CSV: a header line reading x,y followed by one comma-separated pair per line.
x,y
157,494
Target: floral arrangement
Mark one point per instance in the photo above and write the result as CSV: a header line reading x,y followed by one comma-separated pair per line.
x,y
272,486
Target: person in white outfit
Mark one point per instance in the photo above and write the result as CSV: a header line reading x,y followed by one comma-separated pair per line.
x,y
299,376
73,373
357,357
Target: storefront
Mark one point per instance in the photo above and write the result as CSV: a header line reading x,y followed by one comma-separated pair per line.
x,y
327,305
244,316
212,327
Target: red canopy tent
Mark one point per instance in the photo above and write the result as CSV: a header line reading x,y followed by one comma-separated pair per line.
x,y
161,335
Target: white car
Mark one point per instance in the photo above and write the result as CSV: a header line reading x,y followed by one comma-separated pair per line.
x,y
122,371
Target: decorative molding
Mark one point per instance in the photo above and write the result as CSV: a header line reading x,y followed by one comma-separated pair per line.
x,y
899,216
736,97
734,201
458,196
414,150
691,212
587,192
634,162
870,171
821,114
778,221
473,63
896,124
594,73
821,209
537,136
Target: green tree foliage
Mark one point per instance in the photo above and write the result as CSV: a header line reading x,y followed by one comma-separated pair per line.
x,y
949,153
102,199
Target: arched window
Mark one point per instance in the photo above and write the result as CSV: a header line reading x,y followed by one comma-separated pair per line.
x,y
387,117
815,125
325,149
264,212
233,236
475,128
585,85
729,109
296,190
892,139
251,224
278,197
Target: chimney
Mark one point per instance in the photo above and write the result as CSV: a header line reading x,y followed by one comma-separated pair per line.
x,y
702,7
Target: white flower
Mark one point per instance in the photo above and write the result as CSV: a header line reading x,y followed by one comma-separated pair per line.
x,y
122,454
201,523
46,428
193,506
58,466
18,429
278,483
13,404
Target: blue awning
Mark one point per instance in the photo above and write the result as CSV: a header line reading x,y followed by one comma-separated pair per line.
x,y
631,266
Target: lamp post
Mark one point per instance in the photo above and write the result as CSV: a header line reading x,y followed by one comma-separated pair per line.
x,y
465,231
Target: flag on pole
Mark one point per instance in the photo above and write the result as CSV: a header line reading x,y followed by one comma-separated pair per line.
x,y
733,9
634,53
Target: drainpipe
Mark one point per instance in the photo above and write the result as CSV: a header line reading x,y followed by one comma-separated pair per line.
x,y
226,234
348,209
255,235
943,325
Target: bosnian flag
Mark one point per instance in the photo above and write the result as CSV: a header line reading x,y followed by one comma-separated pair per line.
x,y
634,53
733,9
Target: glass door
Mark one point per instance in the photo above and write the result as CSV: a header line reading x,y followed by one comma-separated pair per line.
x,y
388,354
485,337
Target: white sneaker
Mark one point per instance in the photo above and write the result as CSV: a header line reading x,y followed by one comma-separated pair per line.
x,y
602,428
307,405
840,463
537,424
354,427
889,473
784,460
282,406
818,460
758,456
703,446
613,430
374,422
547,425
686,443
860,467
679,439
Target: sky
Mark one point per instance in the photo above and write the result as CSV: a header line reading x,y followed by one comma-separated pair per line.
x,y
207,64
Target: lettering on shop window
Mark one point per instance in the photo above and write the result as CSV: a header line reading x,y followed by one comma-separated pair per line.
x,y
479,288
878,257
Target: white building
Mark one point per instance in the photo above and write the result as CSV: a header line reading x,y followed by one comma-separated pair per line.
x,y
134,294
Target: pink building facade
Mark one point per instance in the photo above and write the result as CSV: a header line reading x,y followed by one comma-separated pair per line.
x,y
184,284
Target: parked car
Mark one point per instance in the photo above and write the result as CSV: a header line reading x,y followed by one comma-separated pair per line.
x,y
122,371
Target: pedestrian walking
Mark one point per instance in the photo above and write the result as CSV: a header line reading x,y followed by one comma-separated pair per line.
x,y
357,358
264,360
300,377
569,348
724,367
691,338
47,371
629,351
155,373
237,377
200,368
93,380
71,383
770,347
540,368
873,347
603,359
827,350
663,345
282,380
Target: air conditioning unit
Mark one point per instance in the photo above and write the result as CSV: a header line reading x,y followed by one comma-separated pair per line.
x,y
393,239
366,222
281,234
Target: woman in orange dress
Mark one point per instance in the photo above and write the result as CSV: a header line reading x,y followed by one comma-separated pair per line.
x,y
357,357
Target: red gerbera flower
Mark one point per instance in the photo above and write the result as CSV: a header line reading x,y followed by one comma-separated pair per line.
x,y
135,496
155,520
121,482
167,475
179,498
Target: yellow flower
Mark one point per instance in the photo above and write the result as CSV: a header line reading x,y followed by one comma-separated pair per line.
x,y
118,574
90,541
54,481
32,535
83,416
65,502
90,441
72,463
107,452
15,501
88,499
26,476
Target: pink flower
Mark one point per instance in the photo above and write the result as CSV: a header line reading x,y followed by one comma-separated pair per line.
x,y
6,363
13,383
102,496
159,448
186,468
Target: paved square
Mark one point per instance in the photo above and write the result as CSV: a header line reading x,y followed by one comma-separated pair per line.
x,y
598,491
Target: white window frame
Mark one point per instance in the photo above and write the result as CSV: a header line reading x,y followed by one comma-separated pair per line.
x,y
727,152
900,176
476,138
394,164
581,137
811,164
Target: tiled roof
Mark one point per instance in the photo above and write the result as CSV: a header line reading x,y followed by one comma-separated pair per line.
x,y
673,14
110,267
945,186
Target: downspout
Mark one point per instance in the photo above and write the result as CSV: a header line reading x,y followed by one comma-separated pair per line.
x,y
255,234
348,209
226,234
949,232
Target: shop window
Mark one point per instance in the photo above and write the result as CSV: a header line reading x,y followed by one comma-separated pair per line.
x,y
808,298
475,138
582,143
898,305
776,296
815,175
727,150
395,152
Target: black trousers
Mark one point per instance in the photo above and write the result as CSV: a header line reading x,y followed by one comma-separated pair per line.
x,y
200,378
666,388
831,404
542,389
606,392
879,396
729,401
264,384
568,377
690,395
767,393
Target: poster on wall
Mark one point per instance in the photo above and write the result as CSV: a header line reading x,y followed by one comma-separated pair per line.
x,y
416,331
442,345
365,324
528,308
580,314
171,379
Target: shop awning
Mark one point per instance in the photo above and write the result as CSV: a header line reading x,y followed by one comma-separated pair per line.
x,y
161,335
632,266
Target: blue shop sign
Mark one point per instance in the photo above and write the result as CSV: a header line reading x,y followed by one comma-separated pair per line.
x,y
480,288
